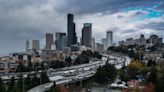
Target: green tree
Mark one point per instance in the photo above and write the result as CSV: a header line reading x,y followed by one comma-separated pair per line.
x,y
105,74
20,83
160,84
68,60
21,68
42,66
134,68
30,66
2,88
11,85
28,81
35,81
44,77
153,75
97,55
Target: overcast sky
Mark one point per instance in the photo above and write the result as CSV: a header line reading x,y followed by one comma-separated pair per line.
x,y
31,19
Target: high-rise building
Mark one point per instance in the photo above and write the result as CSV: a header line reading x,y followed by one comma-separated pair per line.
x,y
49,40
87,34
104,44
155,40
35,44
27,45
99,47
60,41
109,39
63,42
93,44
71,34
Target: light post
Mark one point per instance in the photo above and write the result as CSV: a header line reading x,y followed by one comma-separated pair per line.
x,y
41,77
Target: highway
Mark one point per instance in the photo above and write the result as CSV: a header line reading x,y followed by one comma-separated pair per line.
x,y
80,72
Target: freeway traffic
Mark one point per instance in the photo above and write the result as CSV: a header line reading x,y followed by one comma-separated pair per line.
x,y
80,72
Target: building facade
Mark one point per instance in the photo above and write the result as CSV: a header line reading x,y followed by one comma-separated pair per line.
x,y
49,40
35,44
93,44
87,35
109,39
71,34
104,44
99,47
61,41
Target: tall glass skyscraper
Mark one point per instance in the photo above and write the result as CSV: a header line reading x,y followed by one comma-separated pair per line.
x,y
49,40
109,39
87,34
72,39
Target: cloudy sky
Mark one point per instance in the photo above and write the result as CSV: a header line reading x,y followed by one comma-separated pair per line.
x,y
31,19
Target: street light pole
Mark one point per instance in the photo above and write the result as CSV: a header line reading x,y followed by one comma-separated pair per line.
x,y
41,77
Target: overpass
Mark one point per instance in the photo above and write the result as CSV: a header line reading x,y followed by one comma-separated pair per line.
x,y
80,72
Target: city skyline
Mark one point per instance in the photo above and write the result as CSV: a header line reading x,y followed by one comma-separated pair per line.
x,y
32,19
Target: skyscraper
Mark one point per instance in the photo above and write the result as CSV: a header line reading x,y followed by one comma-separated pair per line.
x,y
27,45
49,40
87,34
35,44
71,26
104,44
109,39
60,41
93,44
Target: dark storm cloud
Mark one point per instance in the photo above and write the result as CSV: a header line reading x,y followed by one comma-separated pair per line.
x,y
156,26
31,19
110,6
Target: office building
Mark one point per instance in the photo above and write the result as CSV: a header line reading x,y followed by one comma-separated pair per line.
x,y
87,34
35,44
27,46
109,39
104,44
99,47
49,40
142,40
93,44
71,34
61,40
155,40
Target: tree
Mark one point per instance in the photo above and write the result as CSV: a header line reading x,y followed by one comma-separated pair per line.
x,y
20,83
44,77
133,69
42,66
30,66
151,63
21,68
82,59
35,81
123,75
68,60
153,75
2,88
28,82
97,55
160,84
105,74
11,85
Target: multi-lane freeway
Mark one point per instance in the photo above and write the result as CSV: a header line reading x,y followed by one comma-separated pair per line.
x,y
80,72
